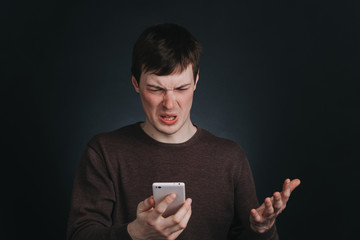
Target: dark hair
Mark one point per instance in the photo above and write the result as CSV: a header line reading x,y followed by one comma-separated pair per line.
x,y
163,49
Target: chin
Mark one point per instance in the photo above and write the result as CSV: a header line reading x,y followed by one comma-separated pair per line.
x,y
168,130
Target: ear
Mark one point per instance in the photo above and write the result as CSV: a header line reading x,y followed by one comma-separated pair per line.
x,y
135,84
196,81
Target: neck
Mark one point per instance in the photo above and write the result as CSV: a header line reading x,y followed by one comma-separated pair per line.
x,y
182,135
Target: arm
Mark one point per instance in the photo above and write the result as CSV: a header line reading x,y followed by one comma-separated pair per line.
x,y
150,224
263,218
93,201
245,200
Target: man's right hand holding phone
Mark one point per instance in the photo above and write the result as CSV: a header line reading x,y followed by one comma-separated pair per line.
x,y
150,224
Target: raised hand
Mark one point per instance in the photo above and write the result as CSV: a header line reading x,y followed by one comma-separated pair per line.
x,y
263,218
150,224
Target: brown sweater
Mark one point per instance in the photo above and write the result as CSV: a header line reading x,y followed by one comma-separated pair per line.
x,y
118,168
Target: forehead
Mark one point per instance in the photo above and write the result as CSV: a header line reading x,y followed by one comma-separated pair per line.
x,y
174,79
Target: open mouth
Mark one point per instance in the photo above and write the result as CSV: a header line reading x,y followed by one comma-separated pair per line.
x,y
168,119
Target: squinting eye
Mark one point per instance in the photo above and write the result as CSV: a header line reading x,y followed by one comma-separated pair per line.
x,y
155,89
182,89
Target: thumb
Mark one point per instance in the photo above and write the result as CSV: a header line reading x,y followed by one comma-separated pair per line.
x,y
294,184
146,205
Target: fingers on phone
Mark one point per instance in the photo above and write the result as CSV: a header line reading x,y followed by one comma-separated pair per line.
x,y
146,205
183,211
162,206
179,221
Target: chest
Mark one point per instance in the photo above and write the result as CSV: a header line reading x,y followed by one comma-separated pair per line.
x,y
208,181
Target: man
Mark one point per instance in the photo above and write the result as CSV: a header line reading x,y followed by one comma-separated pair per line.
x,y
112,188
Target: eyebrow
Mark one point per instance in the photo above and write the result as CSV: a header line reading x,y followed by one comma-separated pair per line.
x,y
159,87
154,86
184,85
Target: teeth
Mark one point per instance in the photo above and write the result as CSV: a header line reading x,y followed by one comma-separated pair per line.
x,y
169,118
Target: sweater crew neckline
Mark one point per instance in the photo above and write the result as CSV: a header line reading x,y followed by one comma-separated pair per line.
x,y
153,141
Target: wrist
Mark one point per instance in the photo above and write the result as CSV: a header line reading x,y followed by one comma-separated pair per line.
x,y
132,230
262,228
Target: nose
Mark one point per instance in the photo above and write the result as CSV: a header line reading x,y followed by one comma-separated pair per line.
x,y
169,99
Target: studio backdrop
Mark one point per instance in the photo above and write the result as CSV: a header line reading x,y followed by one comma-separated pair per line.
x,y
279,78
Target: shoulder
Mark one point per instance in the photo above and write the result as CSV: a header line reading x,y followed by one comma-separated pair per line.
x,y
124,135
213,139
227,154
226,146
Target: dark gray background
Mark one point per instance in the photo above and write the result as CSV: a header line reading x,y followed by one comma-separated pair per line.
x,y
278,77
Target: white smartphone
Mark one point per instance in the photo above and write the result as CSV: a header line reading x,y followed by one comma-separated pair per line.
x,y
162,189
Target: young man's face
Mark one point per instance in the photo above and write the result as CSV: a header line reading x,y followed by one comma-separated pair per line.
x,y
167,101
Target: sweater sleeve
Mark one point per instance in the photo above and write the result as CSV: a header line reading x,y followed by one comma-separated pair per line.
x,y
245,200
92,202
